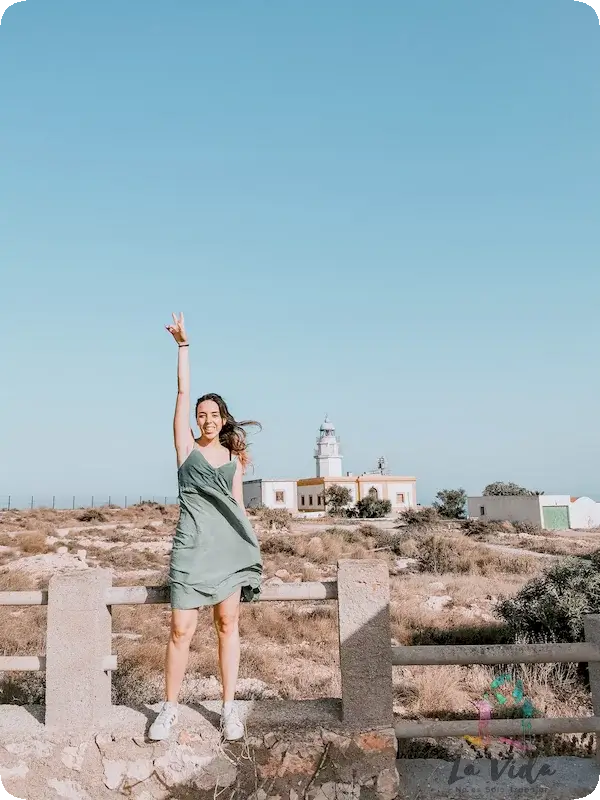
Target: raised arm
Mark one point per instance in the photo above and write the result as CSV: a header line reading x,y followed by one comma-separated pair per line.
x,y
184,440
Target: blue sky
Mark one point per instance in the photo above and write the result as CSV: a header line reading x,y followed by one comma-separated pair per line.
x,y
387,213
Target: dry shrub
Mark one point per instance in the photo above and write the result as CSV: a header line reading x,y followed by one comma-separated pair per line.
x,y
419,517
126,559
7,541
349,535
272,545
483,527
310,573
531,529
17,581
276,518
22,688
33,543
92,515
441,554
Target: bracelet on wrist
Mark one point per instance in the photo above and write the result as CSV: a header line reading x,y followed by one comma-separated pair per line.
x,y
183,345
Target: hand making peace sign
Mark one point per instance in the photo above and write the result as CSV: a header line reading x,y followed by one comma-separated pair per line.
x,y
177,329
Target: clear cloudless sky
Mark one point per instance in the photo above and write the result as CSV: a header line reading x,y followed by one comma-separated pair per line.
x,y
385,211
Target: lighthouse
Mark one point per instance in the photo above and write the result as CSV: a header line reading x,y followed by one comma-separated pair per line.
x,y
327,452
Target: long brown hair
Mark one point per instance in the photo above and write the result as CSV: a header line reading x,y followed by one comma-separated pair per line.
x,y
232,435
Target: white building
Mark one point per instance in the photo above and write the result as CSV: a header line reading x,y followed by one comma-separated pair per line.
x,y
400,491
270,493
308,494
552,512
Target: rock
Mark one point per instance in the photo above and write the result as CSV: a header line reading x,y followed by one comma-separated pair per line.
x,y
341,742
187,737
139,770
273,582
72,757
334,791
270,739
45,564
181,764
114,773
437,602
69,790
103,739
294,795
82,555
405,563
283,574
254,741
20,771
61,550
219,773
387,785
31,748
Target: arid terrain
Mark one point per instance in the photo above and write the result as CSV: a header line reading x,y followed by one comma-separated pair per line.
x,y
444,588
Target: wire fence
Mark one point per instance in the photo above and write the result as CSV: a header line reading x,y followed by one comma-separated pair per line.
x,y
63,502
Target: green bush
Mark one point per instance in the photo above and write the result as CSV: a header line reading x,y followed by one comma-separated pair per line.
x,y
371,507
451,503
337,498
551,608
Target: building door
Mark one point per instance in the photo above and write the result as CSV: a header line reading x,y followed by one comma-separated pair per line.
x,y
556,518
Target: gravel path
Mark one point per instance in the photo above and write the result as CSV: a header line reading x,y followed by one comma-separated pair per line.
x,y
519,551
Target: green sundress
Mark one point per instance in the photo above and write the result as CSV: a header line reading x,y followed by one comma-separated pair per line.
x,y
215,549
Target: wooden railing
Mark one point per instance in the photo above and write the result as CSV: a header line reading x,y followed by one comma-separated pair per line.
x,y
78,659
437,655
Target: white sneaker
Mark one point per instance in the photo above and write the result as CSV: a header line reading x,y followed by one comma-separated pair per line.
x,y
167,717
232,727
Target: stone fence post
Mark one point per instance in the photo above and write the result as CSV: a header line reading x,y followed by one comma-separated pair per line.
x,y
591,625
79,639
365,643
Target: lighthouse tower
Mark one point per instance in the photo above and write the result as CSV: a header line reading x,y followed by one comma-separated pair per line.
x,y
327,453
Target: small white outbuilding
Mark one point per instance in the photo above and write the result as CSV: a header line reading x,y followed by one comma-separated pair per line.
x,y
549,511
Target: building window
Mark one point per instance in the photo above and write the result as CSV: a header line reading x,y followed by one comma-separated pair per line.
x,y
373,492
310,499
302,501
399,498
279,497
319,498
482,511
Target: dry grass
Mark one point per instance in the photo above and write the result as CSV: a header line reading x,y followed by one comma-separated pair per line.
x,y
440,554
556,546
290,650
33,543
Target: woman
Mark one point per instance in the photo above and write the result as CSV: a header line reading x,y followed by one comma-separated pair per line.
x,y
215,559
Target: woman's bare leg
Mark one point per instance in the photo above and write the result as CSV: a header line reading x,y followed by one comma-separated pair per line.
x,y
183,627
226,620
